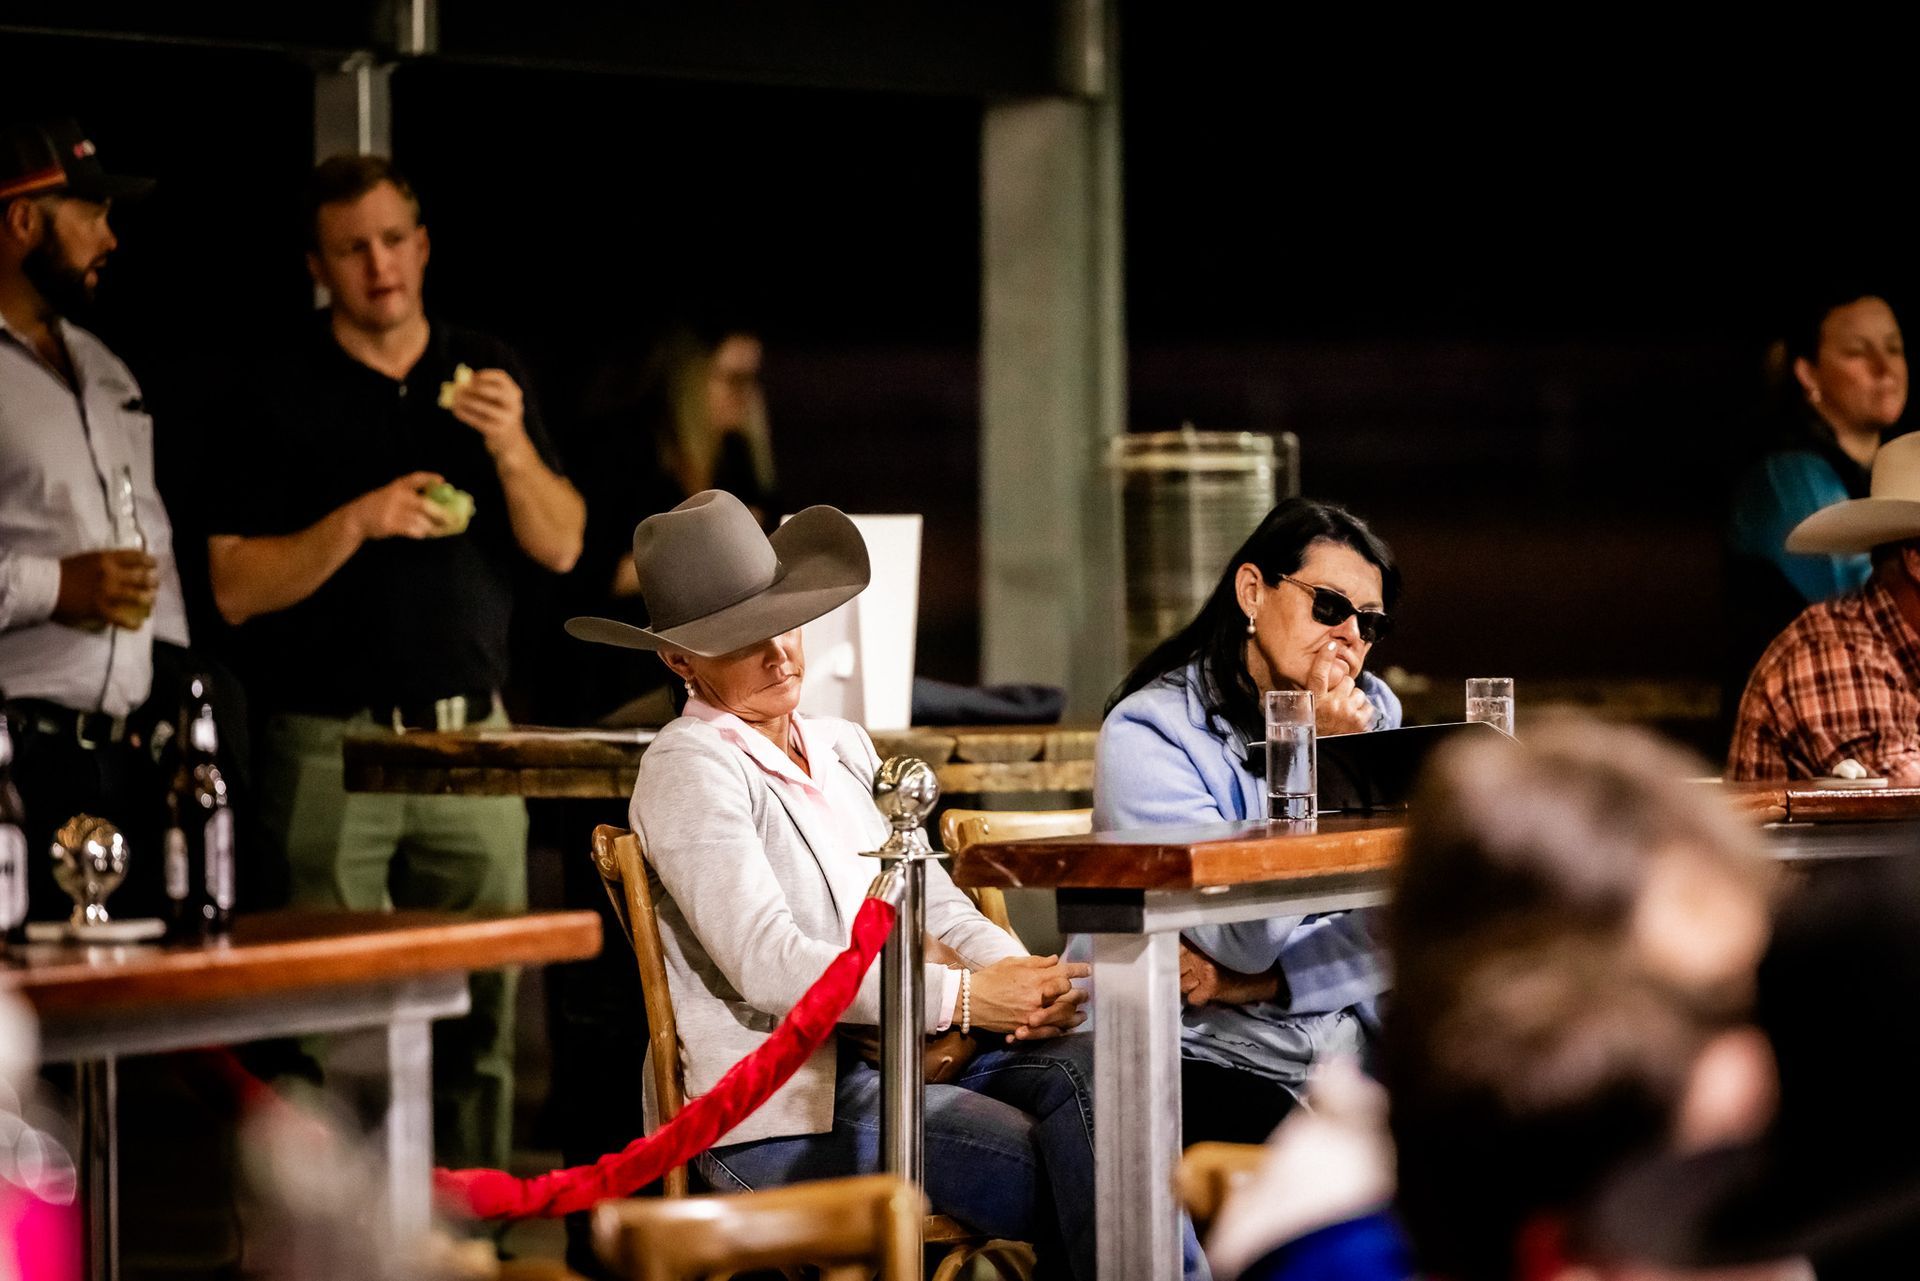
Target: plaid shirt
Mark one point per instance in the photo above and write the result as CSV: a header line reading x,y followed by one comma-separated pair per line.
x,y
1842,681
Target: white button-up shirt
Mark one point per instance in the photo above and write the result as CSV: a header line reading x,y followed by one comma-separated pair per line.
x,y
62,456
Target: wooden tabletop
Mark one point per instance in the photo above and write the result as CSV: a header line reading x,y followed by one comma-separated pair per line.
x,y
534,762
1798,802
272,952
1180,858
1184,858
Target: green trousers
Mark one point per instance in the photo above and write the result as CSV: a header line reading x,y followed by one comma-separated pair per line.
x,y
376,852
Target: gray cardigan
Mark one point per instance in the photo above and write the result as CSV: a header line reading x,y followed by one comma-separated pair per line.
x,y
754,899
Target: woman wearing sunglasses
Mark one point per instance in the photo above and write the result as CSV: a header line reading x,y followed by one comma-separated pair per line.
x,y
1299,606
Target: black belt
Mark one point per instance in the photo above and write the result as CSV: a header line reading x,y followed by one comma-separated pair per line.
x,y
88,729
456,711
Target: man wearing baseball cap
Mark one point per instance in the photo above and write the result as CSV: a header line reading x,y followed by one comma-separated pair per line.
x,y
1843,681
87,575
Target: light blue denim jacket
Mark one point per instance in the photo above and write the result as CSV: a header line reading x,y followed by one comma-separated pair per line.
x,y
1161,760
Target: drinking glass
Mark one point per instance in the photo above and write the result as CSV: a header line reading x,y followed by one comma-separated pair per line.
x,y
1293,780
1490,699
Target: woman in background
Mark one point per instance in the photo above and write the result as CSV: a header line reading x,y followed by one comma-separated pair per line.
x,y
1846,370
688,416
1298,606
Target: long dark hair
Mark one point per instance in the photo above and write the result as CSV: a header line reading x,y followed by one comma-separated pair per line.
x,y
1217,636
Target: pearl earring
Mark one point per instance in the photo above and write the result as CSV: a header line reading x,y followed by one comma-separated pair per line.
x,y
1249,624
690,693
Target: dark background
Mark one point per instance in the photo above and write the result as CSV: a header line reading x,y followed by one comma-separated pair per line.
x,y
1514,310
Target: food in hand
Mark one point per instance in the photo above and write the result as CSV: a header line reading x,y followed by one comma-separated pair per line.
x,y
462,375
457,504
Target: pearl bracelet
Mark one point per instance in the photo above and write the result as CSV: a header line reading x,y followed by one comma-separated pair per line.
x,y
966,1002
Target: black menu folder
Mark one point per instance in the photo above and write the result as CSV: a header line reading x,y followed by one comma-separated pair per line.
x,y
1361,773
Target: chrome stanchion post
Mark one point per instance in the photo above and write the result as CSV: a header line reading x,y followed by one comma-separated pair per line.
x,y
905,790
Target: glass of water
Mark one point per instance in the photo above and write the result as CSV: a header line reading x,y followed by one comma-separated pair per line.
x,y
1293,779
1490,699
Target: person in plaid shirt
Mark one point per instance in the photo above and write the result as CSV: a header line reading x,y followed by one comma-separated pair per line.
x,y
1843,681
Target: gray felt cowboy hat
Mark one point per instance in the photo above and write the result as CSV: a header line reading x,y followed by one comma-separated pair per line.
x,y
713,583
1890,515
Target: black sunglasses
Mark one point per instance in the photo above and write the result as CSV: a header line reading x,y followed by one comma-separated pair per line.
x,y
1330,609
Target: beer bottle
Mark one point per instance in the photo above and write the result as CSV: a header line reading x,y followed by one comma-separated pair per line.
x,y
199,844
13,845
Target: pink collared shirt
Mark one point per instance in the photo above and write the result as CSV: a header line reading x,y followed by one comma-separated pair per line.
x,y
806,790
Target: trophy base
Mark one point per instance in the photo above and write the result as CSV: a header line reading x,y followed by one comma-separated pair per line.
x,y
131,931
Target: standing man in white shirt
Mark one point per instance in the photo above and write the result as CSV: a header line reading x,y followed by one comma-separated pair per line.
x,y
87,576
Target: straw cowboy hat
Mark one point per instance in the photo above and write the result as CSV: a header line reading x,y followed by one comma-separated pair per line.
x,y
713,583
1891,515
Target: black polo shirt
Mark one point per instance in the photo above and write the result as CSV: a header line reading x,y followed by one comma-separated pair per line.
x,y
404,621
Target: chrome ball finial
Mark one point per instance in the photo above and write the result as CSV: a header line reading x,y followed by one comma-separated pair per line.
x,y
906,790
89,862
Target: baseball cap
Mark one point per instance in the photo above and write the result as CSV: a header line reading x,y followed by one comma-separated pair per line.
x,y
57,156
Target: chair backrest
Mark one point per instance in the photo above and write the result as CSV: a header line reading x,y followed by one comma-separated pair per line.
x,y
622,865
1209,1172
850,1228
962,829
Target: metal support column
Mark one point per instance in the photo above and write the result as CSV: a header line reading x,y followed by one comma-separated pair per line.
x,y
1136,1105
1053,376
407,1130
353,107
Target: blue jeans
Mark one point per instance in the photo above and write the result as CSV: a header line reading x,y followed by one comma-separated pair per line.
x,y
1009,1147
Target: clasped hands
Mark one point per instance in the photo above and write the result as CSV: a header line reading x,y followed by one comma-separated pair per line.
x,y
1028,998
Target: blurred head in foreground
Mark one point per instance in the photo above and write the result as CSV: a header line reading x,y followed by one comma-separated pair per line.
x,y
1589,829
1574,935
1837,1174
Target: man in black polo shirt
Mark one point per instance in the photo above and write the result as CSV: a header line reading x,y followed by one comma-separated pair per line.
x,y
363,607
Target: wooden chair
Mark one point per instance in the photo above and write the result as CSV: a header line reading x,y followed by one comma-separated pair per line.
x,y
623,870
1209,1172
850,1229
960,830
622,866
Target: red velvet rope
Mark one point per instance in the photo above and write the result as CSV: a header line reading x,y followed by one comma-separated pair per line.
x,y
494,1194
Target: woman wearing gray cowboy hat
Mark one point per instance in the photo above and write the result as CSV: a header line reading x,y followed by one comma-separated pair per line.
x,y
755,818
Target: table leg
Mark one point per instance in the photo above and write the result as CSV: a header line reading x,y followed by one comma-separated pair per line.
x,y
1136,1105
97,1089
408,1129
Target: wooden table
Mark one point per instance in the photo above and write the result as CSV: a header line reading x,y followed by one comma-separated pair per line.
x,y
533,762
1133,892
279,974
1801,803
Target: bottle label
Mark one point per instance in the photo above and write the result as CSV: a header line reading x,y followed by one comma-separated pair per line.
x,y
13,876
176,865
220,859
